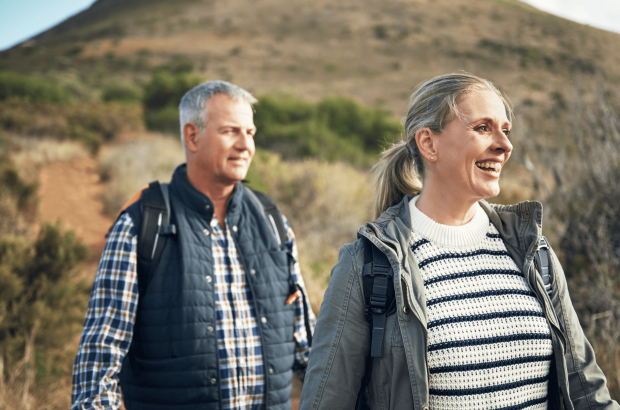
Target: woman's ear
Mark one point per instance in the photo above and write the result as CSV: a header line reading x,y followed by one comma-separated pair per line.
x,y
425,139
190,135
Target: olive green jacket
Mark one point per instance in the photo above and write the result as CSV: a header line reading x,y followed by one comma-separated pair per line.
x,y
400,379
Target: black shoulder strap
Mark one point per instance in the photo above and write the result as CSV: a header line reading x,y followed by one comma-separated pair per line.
x,y
378,282
543,254
272,214
155,227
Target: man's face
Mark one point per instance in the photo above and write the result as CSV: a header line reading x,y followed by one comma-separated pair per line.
x,y
226,147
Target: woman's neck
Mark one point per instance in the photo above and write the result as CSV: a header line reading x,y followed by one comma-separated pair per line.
x,y
445,206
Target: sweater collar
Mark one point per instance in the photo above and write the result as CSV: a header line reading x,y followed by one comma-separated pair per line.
x,y
468,234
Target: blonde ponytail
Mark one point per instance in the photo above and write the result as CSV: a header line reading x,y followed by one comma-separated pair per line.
x,y
393,177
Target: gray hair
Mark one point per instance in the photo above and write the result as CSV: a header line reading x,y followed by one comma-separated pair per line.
x,y
193,104
433,105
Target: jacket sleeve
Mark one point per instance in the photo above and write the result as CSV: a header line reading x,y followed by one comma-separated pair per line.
x,y
586,382
341,339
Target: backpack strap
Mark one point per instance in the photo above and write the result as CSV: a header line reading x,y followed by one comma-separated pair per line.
x,y
543,254
155,228
272,214
378,283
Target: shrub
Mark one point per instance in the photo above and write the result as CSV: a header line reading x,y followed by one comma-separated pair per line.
x,y
41,305
121,93
91,123
162,95
33,89
335,129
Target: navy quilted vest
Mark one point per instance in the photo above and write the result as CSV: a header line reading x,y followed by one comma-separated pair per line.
x,y
173,361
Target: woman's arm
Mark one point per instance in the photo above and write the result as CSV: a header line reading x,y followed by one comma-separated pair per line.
x,y
586,382
341,338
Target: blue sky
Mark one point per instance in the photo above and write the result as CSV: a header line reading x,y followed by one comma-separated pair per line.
x,y
22,19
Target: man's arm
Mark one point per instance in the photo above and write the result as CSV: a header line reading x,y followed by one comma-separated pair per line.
x,y
302,347
108,327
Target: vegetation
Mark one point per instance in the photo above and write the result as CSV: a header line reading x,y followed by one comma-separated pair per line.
x,y
91,123
163,93
30,88
335,129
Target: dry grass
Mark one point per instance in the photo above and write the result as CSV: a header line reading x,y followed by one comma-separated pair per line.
x,y
325,204
31,154
125,168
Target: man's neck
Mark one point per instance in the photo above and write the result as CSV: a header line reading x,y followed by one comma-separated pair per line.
x,y
217,192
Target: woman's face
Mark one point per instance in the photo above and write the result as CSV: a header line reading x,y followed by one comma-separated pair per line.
x,y
473,149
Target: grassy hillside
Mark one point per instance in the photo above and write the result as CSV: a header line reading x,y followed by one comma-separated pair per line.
x,y
374,52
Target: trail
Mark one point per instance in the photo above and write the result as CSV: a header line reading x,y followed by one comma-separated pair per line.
x,y
70,191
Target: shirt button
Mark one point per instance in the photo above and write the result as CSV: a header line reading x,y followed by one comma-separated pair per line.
x,y
210,328
405,310
205,231
271,370
207,207
263,319
209,278
213,380
213,222
234,228
252,271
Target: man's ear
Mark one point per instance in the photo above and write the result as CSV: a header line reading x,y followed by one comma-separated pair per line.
x,y
190,135
425,140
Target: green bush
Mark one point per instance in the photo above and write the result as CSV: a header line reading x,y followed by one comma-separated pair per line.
x,y
92,123
18,85
162,95
121,93
11,183
41,303
166,89
335,129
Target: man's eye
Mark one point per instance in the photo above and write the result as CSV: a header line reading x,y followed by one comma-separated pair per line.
x,y
507,132
481,128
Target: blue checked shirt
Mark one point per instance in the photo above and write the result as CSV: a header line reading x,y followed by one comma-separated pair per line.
x,y
111,315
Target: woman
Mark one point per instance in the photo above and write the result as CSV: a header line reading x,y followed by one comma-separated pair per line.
x,y
474,327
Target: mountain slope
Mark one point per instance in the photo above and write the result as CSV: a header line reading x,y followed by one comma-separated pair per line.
x,y
375,52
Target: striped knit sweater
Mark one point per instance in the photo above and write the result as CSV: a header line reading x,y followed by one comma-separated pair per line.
x,y
489,343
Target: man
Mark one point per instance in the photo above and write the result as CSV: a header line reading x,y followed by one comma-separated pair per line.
x,y
218,325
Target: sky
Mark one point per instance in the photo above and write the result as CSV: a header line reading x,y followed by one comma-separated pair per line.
x,y
22,19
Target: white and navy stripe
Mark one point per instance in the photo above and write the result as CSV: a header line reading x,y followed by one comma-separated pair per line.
x,y
489,342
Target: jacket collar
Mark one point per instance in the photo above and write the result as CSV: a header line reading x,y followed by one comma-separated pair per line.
x,y
520,225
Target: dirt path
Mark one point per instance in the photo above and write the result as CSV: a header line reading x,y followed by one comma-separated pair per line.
x,y
70,192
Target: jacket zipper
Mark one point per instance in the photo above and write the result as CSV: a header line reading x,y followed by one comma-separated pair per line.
x,y
407,301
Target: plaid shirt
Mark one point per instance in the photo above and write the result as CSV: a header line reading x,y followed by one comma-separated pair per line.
x,y
111,315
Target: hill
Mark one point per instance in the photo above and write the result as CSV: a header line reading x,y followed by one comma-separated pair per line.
x,y
374,52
